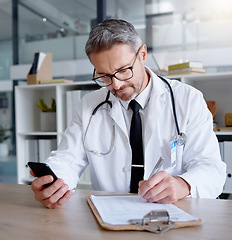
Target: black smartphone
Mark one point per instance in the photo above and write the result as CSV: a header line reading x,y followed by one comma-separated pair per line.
x,y
42,169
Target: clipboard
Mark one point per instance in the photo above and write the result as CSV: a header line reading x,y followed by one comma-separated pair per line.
x,y
155,225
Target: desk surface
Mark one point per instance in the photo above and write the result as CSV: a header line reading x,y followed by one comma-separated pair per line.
x,y
21,217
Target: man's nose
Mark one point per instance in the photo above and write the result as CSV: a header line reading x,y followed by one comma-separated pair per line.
x,y
116,84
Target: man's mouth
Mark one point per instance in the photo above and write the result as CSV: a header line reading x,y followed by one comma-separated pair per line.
x,y
121,90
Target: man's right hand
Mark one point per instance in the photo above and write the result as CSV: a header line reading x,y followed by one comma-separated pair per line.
x,y
53,196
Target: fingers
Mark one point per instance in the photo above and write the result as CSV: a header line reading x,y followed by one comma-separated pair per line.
x,y
53,196
145,186
32,173
38,183
163,193
141,184
161,188
60,200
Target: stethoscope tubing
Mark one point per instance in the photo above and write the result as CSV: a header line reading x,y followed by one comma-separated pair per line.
x,y
107,101
173,104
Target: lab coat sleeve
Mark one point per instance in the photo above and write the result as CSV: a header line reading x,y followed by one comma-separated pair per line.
x,y
204,170
69,160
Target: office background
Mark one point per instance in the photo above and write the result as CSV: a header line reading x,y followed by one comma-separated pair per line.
x,y
174,31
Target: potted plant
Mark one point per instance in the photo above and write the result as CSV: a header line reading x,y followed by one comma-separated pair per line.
x,y
3,144
47,115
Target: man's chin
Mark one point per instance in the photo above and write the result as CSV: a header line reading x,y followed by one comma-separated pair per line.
x,y
125,97
126,94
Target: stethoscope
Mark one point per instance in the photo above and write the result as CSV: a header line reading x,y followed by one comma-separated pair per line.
x,y
107,101
180,139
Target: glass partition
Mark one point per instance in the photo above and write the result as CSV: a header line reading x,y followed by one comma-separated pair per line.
x,y
55,26
174,31
179,30
5,40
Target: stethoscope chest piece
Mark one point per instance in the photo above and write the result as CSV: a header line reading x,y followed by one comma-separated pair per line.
x,y
181,139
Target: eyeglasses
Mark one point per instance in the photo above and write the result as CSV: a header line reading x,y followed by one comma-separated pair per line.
x,y
122,75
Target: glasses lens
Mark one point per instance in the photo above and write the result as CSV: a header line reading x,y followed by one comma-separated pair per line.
x,y
121,75
103,81
124,74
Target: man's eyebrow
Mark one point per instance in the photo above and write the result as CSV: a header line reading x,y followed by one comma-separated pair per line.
x,y
118,69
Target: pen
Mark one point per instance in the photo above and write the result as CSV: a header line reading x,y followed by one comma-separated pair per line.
x,y
155,169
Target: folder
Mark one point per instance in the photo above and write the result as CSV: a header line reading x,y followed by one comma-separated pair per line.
x,y
155,221
41,69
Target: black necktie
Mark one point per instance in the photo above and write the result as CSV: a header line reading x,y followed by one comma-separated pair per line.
x,y
136,142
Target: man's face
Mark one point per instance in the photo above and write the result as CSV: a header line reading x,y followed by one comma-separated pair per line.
x,y
119,57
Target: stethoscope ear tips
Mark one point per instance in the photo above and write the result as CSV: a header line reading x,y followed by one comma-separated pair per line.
x,y
181,139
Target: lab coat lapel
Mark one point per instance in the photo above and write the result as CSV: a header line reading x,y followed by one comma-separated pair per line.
x,y
117,114
155,107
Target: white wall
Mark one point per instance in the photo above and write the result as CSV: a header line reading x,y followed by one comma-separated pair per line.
x,y
62,49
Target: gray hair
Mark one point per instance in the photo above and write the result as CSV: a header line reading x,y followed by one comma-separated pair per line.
x,y
112,32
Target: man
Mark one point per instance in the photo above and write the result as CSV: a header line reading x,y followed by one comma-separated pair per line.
x,y
105,143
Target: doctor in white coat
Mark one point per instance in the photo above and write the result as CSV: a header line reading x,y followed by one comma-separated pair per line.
x,y
101,140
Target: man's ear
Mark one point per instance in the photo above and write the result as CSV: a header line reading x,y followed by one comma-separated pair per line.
x,y
143,53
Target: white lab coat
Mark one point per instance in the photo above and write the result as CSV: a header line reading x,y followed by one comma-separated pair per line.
x,y
198,162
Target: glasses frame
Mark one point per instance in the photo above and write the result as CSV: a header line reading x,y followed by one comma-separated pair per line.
x,y
114,75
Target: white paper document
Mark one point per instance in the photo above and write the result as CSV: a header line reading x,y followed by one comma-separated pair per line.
x,y
118,210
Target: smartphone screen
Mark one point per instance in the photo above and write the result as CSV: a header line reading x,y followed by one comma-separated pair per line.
x,y
42,169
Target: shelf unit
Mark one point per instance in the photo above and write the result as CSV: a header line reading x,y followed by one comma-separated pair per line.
x,y
217,87
28,119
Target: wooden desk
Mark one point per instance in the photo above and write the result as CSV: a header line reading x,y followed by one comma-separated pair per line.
x,y
21,217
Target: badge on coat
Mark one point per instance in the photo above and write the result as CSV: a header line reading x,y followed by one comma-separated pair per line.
x,y
173,153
